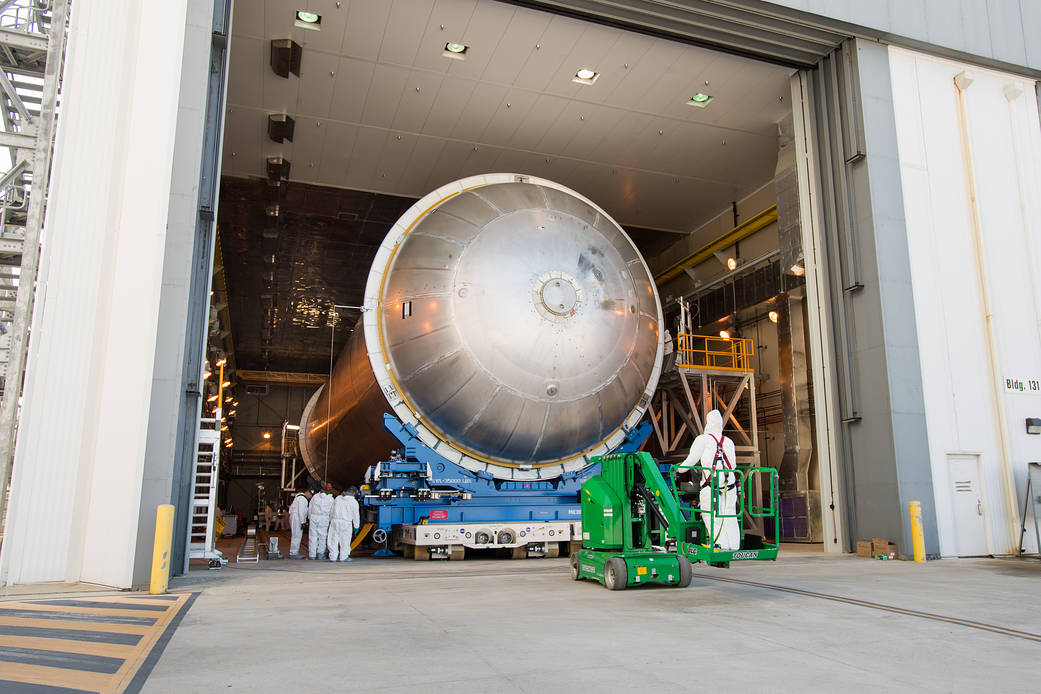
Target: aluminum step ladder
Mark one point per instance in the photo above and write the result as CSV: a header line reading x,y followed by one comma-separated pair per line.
x,y
202,518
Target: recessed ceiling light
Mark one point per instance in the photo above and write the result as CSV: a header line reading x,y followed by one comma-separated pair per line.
x,y
308,20
585,76
701,100
455,50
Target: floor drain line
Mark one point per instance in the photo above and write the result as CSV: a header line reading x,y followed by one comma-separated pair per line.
x,y
885,608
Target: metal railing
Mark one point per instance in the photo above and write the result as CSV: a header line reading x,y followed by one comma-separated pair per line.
x,y
714,352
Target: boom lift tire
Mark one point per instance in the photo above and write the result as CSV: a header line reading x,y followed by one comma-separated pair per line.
x,y
616,576
686,572
574,566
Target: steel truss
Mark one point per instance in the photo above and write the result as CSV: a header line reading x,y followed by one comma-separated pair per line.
x,y
32,51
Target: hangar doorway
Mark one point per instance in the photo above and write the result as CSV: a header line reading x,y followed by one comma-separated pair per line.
x,y
340,117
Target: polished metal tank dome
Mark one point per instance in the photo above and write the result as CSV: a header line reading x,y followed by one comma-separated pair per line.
x,y
512,322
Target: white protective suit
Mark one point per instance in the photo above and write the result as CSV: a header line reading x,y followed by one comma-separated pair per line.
x,y
297,517
318,523
725,532
345,520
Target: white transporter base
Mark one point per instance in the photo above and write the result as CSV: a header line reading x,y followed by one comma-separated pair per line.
x,y
522,538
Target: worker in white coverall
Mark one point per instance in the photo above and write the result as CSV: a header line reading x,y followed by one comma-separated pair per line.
x,y
318,522
715,453
345,520
297,518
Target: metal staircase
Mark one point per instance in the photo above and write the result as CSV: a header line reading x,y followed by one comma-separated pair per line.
x,y
202,518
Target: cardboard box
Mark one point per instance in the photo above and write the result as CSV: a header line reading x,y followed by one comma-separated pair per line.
x,y
892,551
864,548
879,545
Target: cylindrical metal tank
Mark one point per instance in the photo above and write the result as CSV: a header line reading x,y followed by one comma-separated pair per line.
x,y
506,317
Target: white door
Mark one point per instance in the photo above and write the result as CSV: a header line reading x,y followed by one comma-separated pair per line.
x,y
967,502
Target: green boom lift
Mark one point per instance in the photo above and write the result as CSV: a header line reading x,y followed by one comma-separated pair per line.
x,y
638,529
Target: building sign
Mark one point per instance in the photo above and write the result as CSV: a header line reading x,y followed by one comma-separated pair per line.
x,y
1027,386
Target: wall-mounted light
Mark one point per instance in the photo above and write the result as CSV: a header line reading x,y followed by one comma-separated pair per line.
x,y
773,316
731,263
724,334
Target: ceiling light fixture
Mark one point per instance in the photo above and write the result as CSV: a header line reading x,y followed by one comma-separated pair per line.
x,y
585,76
798,270
456,51
267,434
731,263
308,20
724,334
773,316
701,100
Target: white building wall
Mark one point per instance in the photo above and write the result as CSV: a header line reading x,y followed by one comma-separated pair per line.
x,y
77,481
969,408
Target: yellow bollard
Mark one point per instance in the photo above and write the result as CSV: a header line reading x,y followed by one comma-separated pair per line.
x,y
917,534
164,517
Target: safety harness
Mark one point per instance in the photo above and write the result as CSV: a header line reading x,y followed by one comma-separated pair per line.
x,y
721,461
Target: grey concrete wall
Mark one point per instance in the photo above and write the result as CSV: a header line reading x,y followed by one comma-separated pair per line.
x,y
173,303
1005,31
888,446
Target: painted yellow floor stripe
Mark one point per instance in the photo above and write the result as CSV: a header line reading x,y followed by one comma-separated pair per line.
x,y
129,669
885,608
110,650
68,609
83,651
55,677
63,624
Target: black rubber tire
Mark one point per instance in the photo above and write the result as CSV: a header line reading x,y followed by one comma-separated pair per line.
x,y
686,572
616,575
574,567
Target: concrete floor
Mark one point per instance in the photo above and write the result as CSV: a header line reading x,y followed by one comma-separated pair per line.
x,y
391,625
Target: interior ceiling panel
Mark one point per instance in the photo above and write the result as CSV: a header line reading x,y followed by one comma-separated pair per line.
x,y
382,117
379,63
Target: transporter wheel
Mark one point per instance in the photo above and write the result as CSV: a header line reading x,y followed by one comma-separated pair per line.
x,y
574,567
552,550
616,575
520,552
686,572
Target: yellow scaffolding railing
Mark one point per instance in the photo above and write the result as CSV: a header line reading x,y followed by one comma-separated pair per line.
x,y
714,352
